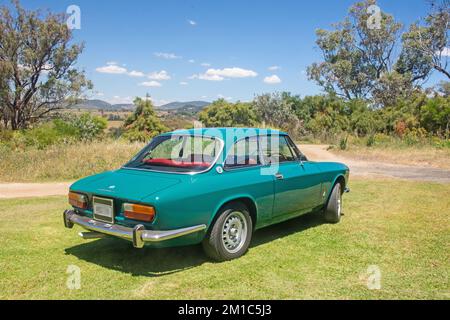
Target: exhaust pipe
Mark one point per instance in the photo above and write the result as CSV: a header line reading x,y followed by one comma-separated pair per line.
x,y
91,235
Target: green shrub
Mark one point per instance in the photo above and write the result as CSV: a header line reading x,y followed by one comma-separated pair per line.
x,y
343,143
89,127
370,140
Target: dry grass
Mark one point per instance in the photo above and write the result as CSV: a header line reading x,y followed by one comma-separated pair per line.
x,y
417,156
64,162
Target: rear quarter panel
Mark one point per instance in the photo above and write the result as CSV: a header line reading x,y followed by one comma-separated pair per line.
x,y
198,198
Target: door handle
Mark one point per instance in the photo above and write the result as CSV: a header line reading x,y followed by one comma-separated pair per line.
x,y
279,176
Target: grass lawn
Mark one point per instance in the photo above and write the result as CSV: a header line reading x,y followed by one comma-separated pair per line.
x,y
401,227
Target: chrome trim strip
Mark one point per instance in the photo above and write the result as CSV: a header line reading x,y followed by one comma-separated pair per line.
x,y
222,145
138,235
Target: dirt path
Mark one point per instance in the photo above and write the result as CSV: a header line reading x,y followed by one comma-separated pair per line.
x,y
24,190
313,152
381,169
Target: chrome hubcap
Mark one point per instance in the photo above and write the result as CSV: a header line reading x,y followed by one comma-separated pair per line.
x,y
234,232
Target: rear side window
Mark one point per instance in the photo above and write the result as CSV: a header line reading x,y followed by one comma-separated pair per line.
x,y
244,153
177,153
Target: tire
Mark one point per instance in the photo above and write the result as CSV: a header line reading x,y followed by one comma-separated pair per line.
x,y
333,210
231,233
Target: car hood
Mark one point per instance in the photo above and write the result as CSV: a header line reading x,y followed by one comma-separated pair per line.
x,y
125,184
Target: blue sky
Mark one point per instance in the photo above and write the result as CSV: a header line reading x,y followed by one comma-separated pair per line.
x,y
202,50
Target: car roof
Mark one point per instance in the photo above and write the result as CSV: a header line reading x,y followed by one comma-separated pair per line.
x,y
225,133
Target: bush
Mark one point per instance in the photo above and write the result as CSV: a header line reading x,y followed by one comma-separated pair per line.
x,y
343,143
370,140
88,127
59,131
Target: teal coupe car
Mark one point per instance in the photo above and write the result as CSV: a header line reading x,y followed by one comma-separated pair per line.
x,y
214,186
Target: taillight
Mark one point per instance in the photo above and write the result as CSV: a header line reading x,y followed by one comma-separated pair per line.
x,y
78,200
138,212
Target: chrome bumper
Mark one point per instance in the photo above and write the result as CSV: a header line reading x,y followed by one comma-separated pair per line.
x,y
138,235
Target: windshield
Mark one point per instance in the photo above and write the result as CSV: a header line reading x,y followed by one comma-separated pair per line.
x,y
177,153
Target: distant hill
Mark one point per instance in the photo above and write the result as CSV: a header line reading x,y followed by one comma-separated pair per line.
x,y
96,104
194,106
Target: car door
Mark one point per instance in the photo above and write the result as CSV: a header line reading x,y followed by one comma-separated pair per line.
x,y
297,183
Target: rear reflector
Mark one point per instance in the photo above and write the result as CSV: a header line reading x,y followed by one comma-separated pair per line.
x,y
139,212
78,200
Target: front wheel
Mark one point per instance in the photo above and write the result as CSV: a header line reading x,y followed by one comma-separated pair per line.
x,y
230,236
333,210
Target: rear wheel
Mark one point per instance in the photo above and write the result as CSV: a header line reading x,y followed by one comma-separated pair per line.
x,y
230,236
333,210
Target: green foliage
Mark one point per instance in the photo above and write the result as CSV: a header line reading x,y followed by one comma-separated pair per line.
x,y
37,65
87,127
359,61
277,111
370,141
435,115
224,114
424,44
59,131
354,54
343,142
143,124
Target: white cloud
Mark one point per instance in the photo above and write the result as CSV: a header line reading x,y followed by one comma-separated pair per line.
x,y
205,64
221,74
221,96
274,79
136,74
184,83
166,55
191,61
153,84
446,52
112,69
207,77
192,22
159,75
273,68
232,72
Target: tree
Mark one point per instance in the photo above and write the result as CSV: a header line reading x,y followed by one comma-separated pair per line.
x,y
425,47
224,114
277,110
143,124
355,54
435,115
37,73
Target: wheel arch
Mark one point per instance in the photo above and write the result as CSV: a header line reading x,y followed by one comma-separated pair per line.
x,y
247,200
339,178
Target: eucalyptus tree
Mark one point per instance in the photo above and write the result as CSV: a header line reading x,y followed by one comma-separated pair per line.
x,y
37,65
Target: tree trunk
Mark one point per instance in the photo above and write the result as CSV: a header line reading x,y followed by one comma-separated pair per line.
x,y
442,70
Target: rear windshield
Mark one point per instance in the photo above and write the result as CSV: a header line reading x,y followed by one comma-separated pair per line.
x,y
181,153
